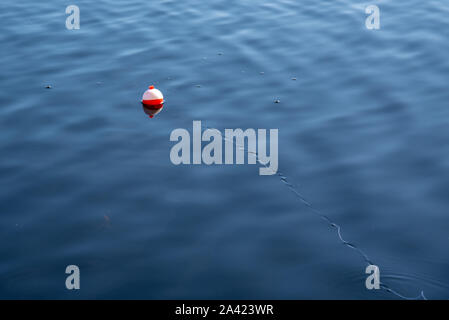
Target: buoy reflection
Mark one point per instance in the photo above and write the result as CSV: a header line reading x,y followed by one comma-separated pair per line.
x,y
151,111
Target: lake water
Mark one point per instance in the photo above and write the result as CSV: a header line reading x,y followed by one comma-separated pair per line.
x,y
86,177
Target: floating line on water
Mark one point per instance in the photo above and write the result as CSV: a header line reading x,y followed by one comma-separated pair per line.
x,y
330,222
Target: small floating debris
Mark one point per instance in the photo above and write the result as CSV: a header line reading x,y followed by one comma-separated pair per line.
x,y
277,101
262,73
220,53
294,79
198,86
106,222
48,86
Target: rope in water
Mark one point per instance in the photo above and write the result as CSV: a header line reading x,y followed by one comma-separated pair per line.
x,y
330,222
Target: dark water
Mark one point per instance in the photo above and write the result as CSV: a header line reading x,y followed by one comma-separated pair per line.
x,y
86,177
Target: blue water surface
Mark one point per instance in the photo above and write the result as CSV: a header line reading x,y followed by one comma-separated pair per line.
x,y
86,177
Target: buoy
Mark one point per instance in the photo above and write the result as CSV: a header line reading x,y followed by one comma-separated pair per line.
x,y
153,97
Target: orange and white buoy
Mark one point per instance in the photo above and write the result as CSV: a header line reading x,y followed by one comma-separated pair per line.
x,y
153,98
